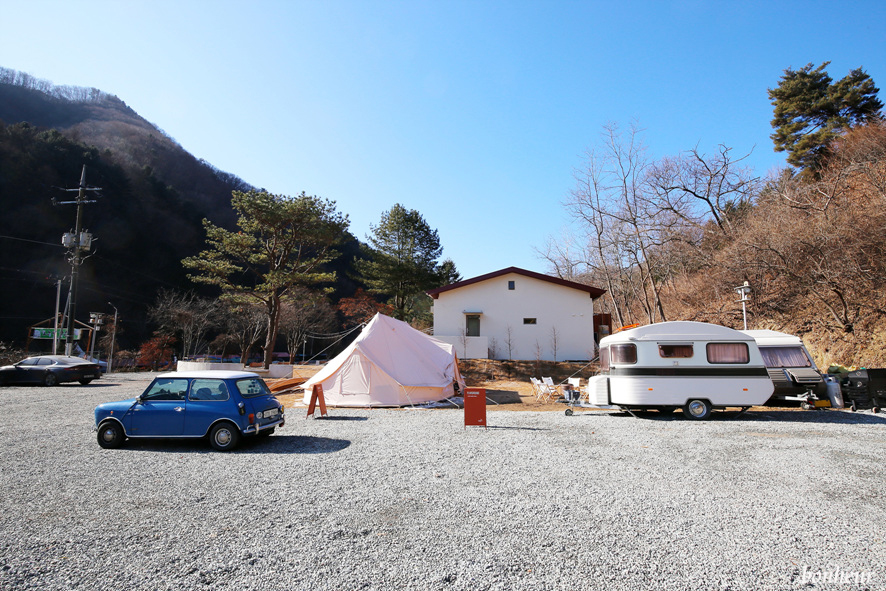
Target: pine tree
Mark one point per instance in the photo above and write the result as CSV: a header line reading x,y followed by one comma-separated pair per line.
x,y
811,111
283,242
403,261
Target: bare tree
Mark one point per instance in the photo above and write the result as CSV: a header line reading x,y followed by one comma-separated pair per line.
x,y
246,323
304,313
645,224
555,341
185,315
509,342
697,188
817,240
463,339
863,151
625,226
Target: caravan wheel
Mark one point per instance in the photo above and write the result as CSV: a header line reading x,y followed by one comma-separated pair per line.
x,y
697,409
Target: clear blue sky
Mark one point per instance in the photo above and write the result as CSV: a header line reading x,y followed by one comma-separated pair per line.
x,y
473,113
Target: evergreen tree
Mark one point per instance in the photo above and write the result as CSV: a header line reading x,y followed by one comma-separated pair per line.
x,y
811,111
283,242
403,260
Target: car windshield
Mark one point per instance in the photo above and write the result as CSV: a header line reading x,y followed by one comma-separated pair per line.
x,y
251,387
166,389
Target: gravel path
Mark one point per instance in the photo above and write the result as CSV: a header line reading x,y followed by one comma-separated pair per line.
x,y
410,499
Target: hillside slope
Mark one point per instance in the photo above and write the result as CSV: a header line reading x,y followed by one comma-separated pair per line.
x,y
148,216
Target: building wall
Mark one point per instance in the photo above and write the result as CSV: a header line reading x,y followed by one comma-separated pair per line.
x,y
469,347
568,310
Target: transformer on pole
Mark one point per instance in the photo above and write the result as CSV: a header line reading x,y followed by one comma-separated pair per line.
x,y
77,242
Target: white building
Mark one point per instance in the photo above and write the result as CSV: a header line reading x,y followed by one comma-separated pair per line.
x,y
517,314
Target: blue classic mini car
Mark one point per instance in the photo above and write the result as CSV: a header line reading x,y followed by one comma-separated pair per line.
x,y
220,405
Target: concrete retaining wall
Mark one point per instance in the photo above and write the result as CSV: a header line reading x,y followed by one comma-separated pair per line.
x,y
277,370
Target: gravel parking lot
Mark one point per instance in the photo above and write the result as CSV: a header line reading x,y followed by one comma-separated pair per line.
x,y
410,499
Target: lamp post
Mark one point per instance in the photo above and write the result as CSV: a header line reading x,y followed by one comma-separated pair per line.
x,y
743,292
97,319
113,338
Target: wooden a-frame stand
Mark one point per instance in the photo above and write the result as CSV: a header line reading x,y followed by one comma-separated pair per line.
x,y
317,395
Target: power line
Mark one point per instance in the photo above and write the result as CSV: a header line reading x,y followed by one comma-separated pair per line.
x,y
33,241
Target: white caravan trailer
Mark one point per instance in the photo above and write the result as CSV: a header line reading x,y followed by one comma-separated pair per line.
x,y
689,365
791,368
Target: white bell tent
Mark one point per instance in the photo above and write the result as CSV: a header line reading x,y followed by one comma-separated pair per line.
x,y
389,364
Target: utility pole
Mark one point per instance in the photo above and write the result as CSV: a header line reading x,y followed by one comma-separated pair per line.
x,y
77,242
113,338
58,296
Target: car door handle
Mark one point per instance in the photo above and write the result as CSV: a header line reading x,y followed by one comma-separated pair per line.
x,y
179,408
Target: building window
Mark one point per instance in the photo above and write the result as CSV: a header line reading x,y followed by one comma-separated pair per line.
x,y
511,285
530,321
472,325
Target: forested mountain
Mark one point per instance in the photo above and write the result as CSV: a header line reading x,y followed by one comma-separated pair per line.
x,y
146,219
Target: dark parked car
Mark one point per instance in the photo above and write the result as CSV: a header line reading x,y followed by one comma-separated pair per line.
x,y
50,370
220,405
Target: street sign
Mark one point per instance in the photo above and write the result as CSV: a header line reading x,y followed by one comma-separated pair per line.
x,y
47,333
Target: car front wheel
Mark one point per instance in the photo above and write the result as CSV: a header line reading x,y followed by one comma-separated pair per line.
x,y
110,435
224,437
50,379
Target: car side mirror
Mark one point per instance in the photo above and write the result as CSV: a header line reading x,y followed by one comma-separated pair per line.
x,y
139,400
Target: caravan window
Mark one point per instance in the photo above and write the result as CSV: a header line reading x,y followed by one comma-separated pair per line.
x,y
623,353
728,353
675,351
785,357
604,359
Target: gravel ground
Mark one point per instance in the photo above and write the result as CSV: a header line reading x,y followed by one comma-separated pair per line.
x,y
410,499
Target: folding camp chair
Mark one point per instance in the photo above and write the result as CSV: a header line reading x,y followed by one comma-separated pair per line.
x,y
550,390
537,389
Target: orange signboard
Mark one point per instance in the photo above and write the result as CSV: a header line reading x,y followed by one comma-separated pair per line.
x,y
475,406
